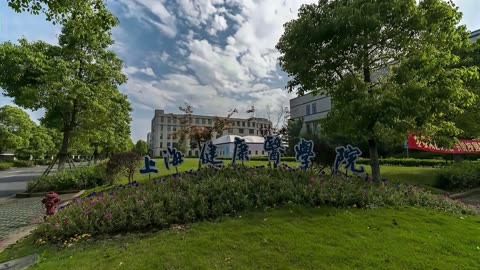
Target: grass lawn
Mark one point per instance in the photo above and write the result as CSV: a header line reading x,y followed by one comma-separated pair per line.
x,y
288,238
421,176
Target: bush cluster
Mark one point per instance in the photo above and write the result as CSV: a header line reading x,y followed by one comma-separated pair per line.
x,y
461,175
78,178
406,162
23,163
211,193
5,165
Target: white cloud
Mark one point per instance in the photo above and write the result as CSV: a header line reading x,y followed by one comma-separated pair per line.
x,y
130,70
219,24
140,9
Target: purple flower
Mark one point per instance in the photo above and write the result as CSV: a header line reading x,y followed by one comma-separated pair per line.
x,y
108,216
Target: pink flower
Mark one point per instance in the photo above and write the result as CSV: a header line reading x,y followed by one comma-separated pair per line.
x,y
108,216
92,201
87,212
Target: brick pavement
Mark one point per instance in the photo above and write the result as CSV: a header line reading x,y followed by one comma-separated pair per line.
x,y
18,213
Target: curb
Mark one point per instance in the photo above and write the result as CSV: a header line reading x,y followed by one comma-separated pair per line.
x,y
41,194
465,194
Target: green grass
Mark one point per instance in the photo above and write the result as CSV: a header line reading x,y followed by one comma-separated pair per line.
x,y
421,176
288,238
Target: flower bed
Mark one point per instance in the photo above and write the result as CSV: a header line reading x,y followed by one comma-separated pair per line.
x,y
211,193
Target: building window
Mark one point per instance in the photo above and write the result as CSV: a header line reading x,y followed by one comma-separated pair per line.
x,y
169,120
240,130
238,123
168,144
209,121
263,152
251,131
161,136
169,128
197,121
203,121
243,124
256,153
168,137
314,108
161,144
308,109
249,152
230,130
161,128
174,128
161,119
248,124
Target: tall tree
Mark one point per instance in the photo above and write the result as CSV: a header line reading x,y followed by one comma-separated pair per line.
x,y
15,128
388,66
76,82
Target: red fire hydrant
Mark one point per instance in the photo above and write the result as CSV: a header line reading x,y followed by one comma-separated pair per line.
x,y
50,201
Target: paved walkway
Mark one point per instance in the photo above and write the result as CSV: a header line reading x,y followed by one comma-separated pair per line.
x,y
17,213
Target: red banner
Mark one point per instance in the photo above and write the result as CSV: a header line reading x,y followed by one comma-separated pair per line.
x,y
462,147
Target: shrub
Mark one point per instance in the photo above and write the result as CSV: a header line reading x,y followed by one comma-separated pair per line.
x,y
209,194
125,163
406,162
5,165
23,163
460,175
78,178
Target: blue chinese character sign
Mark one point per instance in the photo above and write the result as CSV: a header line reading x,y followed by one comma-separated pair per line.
x,y
172,156
304,153
149,166
240,151
348,156
273,145
209,154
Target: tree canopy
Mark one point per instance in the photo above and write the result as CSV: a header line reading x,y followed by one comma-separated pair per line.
x,y
16,128
141,147
390,66
75,82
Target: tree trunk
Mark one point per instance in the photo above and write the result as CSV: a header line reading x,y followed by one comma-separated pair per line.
x,y
95,155
374,162
63,154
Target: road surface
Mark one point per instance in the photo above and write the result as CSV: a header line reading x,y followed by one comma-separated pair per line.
x,y
14,180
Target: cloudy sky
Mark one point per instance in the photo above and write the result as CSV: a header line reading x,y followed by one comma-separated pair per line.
x,y
213,54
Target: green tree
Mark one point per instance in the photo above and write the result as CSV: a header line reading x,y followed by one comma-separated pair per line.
x,y
388,66
40,144
76,82
15,128
141,147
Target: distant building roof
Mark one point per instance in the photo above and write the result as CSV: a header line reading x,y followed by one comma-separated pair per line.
x,y
231,138
475,35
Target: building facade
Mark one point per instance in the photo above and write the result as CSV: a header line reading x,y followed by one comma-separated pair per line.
x,y
310,109
165,127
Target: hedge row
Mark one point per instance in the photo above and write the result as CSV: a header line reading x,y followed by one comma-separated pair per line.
x,y
407,162
5,165
79,178
461,175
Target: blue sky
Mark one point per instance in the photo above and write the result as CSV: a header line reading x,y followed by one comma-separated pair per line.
x,y
213,54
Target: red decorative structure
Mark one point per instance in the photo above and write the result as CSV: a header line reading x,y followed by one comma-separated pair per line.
x,y
50,201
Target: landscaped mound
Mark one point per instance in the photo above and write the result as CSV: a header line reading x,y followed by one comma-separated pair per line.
x,y
211,193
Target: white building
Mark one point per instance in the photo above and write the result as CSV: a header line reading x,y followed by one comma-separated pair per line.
x,y
475,35
166,125
312,108
225,145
